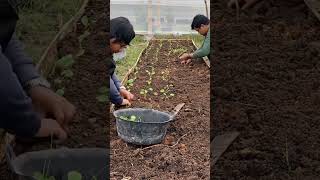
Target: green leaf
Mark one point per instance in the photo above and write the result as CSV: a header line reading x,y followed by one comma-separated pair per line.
x,y
162,90
60,91
65,62
155,93
123,118
103,90
73,175
133,118
85,21
94,178
103,98
67,73
130,81
172,95
38,176
150,89
83,36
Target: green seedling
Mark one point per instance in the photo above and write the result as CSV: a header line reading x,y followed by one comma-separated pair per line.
x,y
130,82
40,176
65,62
85,21
132,118
166,92
144,92
67,73
73,175
60,92
165,74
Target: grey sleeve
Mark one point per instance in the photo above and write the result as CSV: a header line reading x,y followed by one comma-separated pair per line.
x,y
16,110
22,64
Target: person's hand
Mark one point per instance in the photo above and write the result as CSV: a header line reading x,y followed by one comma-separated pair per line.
x,y
243,4
50,127
126,94
185,56
51,103
125,102
186,61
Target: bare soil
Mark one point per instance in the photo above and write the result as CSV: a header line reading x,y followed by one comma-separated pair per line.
x,y
266,86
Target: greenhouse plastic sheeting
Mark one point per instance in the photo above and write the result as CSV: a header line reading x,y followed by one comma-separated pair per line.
x,y
159,16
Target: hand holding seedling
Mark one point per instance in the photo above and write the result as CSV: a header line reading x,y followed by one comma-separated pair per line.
x,y
185,58
126,102
53,105
50,127
127,95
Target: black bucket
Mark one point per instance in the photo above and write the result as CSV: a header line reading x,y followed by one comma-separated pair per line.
x,y
151,129
89,162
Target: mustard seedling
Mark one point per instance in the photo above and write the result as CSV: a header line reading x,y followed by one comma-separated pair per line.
x,y
131,118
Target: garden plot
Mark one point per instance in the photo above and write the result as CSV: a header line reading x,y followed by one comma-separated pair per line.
x,y
160,82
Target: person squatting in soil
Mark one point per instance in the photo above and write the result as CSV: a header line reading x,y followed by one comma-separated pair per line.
x,y
121,34
26,98
201,24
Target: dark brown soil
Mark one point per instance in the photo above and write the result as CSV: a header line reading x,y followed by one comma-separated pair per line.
x,y
266,86
90,71
189,158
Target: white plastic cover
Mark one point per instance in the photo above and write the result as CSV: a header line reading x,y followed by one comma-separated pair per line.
x,y
159,16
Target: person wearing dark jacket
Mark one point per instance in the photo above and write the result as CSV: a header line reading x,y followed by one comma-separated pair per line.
x,y
121,34
26,98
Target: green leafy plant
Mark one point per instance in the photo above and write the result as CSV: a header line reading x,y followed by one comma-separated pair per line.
x,y
65,62
166,91
67,73
60,92
72,175
85,21
130,82
41,176
165,74
132,118
144,92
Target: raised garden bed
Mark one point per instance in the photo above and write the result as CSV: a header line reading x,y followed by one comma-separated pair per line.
x,y
160,82
266,86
